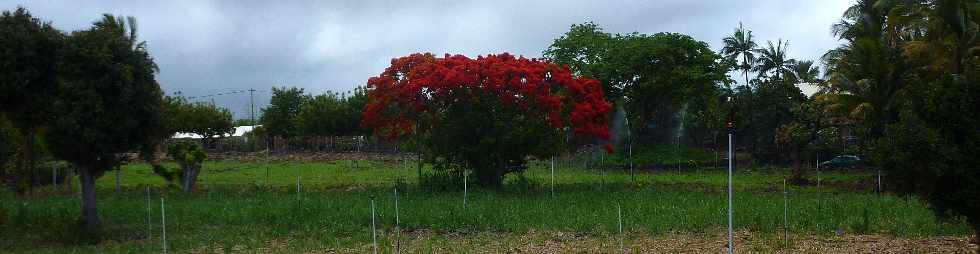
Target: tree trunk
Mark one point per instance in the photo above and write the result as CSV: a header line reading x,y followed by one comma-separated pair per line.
x,y
90,218
189,178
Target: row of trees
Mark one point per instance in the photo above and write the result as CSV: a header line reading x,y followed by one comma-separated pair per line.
x,y
294,113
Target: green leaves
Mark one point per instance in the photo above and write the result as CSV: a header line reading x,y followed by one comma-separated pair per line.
x,y
199,118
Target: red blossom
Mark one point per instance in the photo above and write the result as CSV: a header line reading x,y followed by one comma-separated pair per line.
x,y
404,92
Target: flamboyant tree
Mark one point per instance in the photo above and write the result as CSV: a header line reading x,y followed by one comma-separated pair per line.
x,y
486,114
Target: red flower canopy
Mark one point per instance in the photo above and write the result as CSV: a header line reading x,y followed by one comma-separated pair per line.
x,y
411,85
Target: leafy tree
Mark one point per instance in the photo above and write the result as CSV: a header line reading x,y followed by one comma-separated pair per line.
x,y
111,104
668,73
657,75
486,114
203,119
281,118
30,50
740,45
322,115
190,156
800,134
585,49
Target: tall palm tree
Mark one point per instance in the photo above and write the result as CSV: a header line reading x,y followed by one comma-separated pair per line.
x,y
740,45
772,59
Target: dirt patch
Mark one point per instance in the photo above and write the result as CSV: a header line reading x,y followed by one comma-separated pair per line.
x,y
424,241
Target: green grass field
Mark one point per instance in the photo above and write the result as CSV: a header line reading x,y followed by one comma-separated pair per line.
x,y
255,205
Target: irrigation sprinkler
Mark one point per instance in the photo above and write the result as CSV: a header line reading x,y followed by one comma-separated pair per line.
x,y
398,230
374,233
464,190
878,190
552,176
619,212
149,223
163,225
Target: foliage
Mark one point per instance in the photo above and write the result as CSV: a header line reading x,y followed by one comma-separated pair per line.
x,y
200,118
908,75
740,45
773,62
30,50
657,75
281,118
486,114
112,103
332,114
189,155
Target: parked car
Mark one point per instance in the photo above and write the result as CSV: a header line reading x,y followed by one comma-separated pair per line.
x,y
843,161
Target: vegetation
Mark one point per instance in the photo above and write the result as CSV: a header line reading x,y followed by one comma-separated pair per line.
x,y
31,49
901,90
189,155
486,114
907,75
260,201
656,77
203,119
111,110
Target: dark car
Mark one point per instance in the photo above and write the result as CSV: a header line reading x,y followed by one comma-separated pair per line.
x,y
843,161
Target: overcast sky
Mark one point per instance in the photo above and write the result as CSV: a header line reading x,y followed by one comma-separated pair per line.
x,y
210,47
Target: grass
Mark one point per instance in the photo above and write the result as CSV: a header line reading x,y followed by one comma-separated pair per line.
x,y
241,205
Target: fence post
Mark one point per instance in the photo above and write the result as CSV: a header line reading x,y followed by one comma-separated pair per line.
x,y
552,176
398,231
619,212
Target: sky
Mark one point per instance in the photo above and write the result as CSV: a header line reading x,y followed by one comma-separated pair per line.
x,y
216,47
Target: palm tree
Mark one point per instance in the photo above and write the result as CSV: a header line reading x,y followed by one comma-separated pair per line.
x,y
804,72
772,59
740,45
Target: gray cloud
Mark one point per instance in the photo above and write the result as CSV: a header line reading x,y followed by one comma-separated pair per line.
x,y
209,47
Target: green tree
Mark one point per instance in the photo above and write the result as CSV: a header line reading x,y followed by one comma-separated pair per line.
x,y
190,156
654,77
281,118
322,115
203,119
740,46
30,50
585,49
111,104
